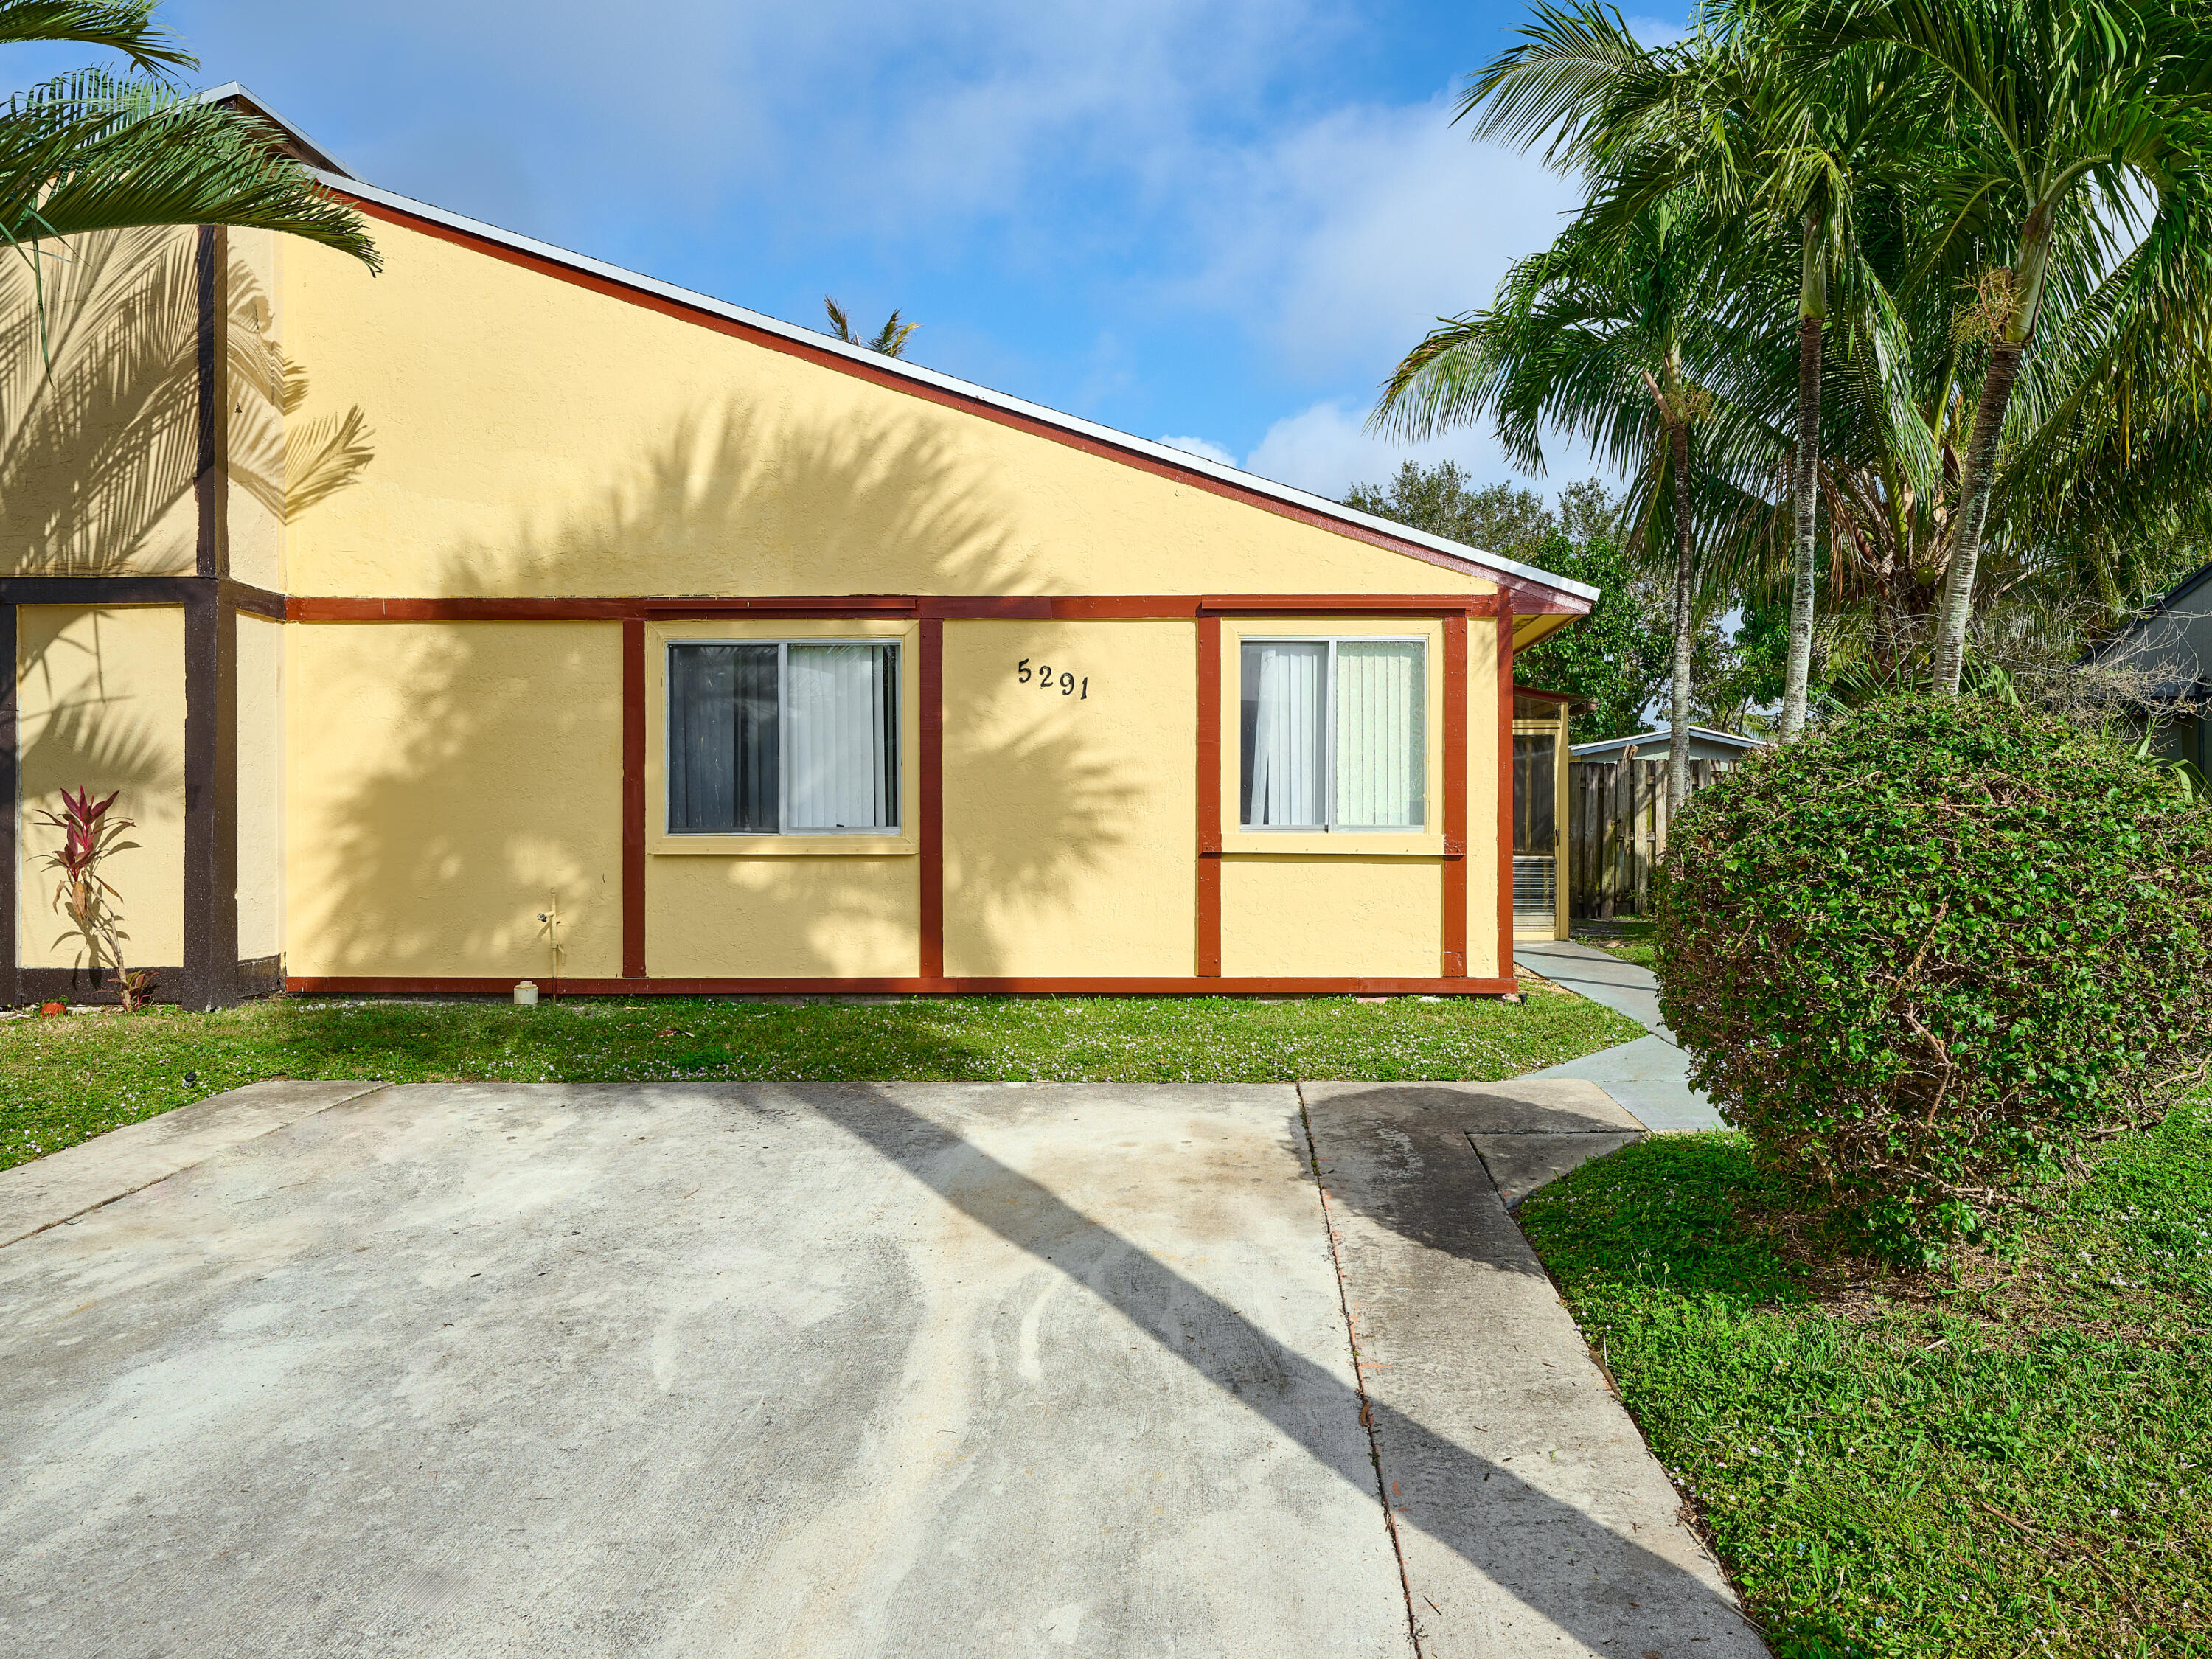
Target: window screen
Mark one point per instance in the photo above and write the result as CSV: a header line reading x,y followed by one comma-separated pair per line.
x,y
1333,734
790,739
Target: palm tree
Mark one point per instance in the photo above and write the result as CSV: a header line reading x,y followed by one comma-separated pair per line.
x,y
1729,112
2061,116
98,150
890,339
1596,337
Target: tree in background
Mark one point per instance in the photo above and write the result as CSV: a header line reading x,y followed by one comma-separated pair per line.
x,y
98,150
1600,337
890,339
1617,657
1903,197
1736,115
2065,114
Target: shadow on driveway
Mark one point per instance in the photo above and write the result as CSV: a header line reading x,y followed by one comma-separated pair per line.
x,y
1591,1581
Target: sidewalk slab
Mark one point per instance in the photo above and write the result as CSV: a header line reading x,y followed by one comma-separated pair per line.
x,y
1521,1164
1610,981
1530,1516
52,1189
1648,1076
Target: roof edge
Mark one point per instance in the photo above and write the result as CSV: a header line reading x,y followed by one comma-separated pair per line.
x,y
1472,562
305,149
1665,734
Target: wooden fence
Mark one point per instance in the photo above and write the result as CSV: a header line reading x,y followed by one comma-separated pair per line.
x,y
1617,831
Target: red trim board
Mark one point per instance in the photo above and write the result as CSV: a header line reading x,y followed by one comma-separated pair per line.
x,y
344,608
930,864
1208,914
1455,919
1506,964
361,986
633,801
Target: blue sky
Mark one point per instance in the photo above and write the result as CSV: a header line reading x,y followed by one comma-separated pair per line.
x,y
1215,221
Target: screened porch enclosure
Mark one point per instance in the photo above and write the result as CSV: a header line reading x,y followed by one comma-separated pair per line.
x,y
1539,798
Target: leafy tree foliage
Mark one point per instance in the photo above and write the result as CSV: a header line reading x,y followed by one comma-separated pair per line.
x,y
1616,658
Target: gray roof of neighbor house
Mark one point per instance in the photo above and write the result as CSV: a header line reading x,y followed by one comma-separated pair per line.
x,y
1659,736
2171,641
1576,596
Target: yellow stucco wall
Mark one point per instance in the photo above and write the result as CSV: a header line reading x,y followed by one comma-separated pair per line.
x,y
260,787
101,705
1069,818
1380,918
445,781
98,425
257,376
533,437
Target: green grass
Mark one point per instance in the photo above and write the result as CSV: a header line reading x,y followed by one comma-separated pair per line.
x,y
65,1080
2010,1460
1633,938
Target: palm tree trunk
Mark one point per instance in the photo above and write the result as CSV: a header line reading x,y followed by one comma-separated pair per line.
x,y
1981,476
1677,717
1798,668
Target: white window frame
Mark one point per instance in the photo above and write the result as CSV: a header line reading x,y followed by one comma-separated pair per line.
x,y
1329,826
897,795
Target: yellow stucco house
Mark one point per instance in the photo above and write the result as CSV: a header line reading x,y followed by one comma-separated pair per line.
x,y
511,616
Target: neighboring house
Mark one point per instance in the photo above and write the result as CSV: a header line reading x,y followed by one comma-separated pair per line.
x,y
2170,645
510,615
1706,743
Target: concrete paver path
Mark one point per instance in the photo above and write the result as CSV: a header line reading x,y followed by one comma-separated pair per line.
x,y
1649,1075
816,1370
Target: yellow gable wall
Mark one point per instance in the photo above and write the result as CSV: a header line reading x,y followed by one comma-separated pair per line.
x,y
528,436
98,409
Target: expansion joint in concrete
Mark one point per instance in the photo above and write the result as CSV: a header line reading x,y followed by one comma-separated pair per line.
x,y
1359,1379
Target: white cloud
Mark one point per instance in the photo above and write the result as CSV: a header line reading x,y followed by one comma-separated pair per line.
x,y
1343,242
1200,446
1327,449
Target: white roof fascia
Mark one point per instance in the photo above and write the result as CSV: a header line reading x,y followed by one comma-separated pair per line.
x,y
335,173
1475,562
1664,734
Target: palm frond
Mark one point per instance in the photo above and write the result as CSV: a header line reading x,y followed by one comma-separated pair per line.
x,y
890,339
94,151
123,26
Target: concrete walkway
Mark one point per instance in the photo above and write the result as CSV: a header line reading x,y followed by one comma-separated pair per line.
x,y
1649,1075
816,1369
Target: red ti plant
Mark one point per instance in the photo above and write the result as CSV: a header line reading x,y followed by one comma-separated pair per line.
x,y
84,896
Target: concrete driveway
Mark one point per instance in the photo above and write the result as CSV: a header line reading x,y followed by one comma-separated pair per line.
x,y
821,1369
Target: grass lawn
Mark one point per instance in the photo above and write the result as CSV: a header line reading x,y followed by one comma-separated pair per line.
x,y
2011,1460
65,1080
1629,937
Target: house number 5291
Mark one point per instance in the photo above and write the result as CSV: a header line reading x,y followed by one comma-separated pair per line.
x,y
1041,676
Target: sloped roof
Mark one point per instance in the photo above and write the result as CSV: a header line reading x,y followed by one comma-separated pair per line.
x,y
1535,591
2172,639
1664,734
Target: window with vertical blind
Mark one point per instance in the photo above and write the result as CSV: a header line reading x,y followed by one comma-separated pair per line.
x,y
797,737
1333,733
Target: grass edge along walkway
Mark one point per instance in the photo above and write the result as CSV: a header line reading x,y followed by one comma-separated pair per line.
x,y
2013,1458
63,1081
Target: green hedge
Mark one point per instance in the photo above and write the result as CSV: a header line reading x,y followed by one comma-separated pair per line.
x,y
1923,953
